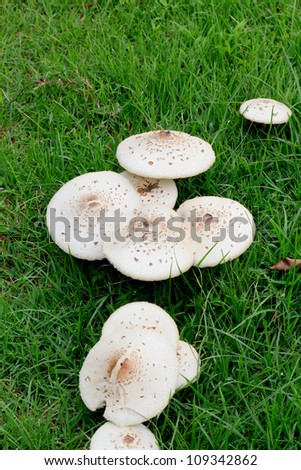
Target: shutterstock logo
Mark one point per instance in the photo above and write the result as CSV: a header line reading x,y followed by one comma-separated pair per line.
x,y
120,229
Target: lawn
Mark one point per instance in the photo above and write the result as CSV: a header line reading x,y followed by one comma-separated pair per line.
x,y
78,78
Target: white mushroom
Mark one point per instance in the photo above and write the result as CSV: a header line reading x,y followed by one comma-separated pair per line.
x,y
121,416
154,190
265,111
165,154
189,364
112,437
134,374
155,246
75,214
221,229
144,315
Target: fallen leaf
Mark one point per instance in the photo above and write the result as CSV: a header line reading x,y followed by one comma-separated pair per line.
x,y
86,81
42,82
275,318
286,263
147,189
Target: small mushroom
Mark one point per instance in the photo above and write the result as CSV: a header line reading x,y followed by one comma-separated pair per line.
x,y
165,154
75,214
154,246
154,190
265,111
144,315
189,364
133,373
221,229
112,437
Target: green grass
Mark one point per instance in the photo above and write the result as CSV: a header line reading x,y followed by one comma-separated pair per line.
x,y
75,81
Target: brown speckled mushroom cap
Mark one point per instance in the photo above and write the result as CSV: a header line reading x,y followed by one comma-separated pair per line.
x,y
134,370
112,437
221,229
189,364
165,154
265,111
154,190
74,211
154,247
144,315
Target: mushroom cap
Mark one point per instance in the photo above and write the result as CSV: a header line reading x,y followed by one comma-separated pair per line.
x,y
154,190
189,364
157,248
224,229
121,416
112,437
165,154
144,315
74,212
132,370
265,111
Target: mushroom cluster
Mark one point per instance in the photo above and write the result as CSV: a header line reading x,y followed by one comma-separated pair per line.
x,y
139,361
129,219
137,365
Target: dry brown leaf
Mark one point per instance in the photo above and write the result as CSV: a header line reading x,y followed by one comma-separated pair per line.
x,y
286,263
88,83
275,318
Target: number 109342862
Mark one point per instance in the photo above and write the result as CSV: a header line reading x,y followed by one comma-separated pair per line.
x,y
227,460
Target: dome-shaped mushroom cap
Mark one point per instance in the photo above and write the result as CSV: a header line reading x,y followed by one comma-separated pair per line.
x,y
144,315
74,212
112,437
265,111
155,247
165,154
221,229
189,364
154,190
134,370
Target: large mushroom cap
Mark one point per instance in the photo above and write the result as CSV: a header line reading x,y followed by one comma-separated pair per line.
x,y
189,364
132,370
154,190
165,154
75,212
112,437
265,111
154,247
221,229
144,315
